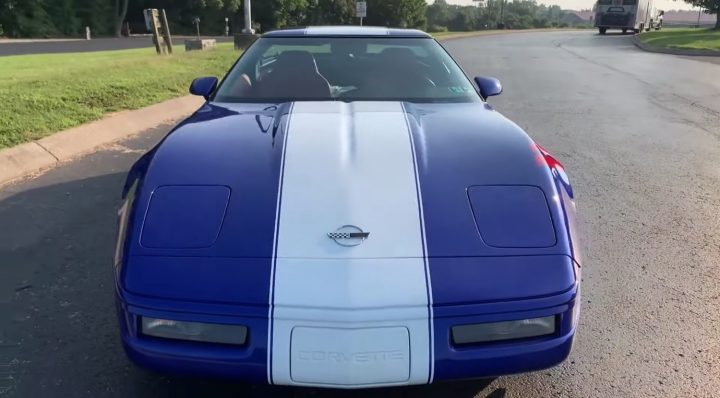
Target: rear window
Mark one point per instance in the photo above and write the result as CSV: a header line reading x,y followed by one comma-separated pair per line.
x,y
346,69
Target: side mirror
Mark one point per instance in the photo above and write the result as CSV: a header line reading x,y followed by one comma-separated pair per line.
x,y
203,86
489,86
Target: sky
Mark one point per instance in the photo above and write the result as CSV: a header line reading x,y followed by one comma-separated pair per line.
x,y
587,4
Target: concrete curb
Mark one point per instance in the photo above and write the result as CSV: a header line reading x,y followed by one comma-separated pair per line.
x,y
493,32
35,156
673,51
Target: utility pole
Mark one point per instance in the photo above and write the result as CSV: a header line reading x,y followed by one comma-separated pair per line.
x,y
248,19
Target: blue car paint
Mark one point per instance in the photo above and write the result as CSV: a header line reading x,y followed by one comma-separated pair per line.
x,y
203,86
234,280
247,362
167,228
473,146
512,215
497,359
228,147
219,145
488,86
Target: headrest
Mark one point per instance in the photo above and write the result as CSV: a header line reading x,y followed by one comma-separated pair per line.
x,y
297,61
398,53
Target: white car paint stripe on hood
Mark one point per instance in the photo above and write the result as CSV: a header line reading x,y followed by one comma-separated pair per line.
x,y
349,164
274,249
428,283
359,30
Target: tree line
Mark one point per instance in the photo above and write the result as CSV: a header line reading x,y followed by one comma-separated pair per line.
x,y
57,18
519,14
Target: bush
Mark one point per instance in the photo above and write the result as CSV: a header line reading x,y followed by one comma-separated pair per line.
x,y
437,28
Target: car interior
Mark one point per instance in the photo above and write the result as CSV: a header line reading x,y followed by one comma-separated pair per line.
x,y
346,70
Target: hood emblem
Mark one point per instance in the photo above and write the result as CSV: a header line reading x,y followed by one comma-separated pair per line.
x,y
348,236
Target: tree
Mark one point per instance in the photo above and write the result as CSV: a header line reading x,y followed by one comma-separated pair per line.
x,y
397,13
438,15
280,13
121,7
464,19
98,15
31,18
331,12
710,7
64,16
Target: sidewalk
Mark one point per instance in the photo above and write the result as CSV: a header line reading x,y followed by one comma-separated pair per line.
x,y
34,156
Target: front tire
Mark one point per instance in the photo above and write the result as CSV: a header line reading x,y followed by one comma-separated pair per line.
x,y
602,30
624,31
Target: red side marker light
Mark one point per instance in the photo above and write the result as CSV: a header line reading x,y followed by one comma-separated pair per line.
x,y
544,157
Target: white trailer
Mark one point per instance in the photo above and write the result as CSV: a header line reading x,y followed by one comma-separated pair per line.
x,y
625,15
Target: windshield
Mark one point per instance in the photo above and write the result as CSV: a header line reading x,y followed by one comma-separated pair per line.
x,y
346,69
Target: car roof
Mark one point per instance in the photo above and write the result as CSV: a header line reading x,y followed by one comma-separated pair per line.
x,y
346,31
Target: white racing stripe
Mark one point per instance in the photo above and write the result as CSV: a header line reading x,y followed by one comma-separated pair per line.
x,y
346,30
349,164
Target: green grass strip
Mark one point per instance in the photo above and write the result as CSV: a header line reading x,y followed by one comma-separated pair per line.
x,y
43,94
696,39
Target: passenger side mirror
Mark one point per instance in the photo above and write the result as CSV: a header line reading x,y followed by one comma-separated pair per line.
x,y
203,86
489,86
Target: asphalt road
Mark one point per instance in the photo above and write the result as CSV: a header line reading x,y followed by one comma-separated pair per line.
x,y
639,134
22,47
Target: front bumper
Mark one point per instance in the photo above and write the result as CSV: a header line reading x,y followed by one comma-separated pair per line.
x,y
249,363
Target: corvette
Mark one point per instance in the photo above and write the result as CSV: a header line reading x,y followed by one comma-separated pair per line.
x,y
346,210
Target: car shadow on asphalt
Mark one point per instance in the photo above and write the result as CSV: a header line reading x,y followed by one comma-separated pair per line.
x,y
184,387
56,246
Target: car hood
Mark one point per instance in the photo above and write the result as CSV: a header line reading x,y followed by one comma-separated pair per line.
x,y
347,180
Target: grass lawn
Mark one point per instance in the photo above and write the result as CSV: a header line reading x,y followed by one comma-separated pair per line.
x,y
706,39
42,94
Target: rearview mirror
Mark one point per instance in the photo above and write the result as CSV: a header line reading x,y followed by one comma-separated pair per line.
x,y
489,86
203,86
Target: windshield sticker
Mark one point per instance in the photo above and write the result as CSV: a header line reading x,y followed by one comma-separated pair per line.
x,y
458,90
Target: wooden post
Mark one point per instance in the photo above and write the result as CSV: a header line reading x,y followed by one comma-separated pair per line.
x,y
166,32
155,22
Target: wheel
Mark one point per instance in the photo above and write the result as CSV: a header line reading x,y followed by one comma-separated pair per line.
x,y
602,30
624,31
642,26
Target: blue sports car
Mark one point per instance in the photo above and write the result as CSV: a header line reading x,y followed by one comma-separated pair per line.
x,y
347,211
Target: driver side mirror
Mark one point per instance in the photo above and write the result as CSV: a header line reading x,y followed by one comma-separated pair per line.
x,y
489,86
203,86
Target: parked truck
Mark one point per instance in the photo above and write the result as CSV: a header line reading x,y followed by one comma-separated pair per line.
x,y
627,15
